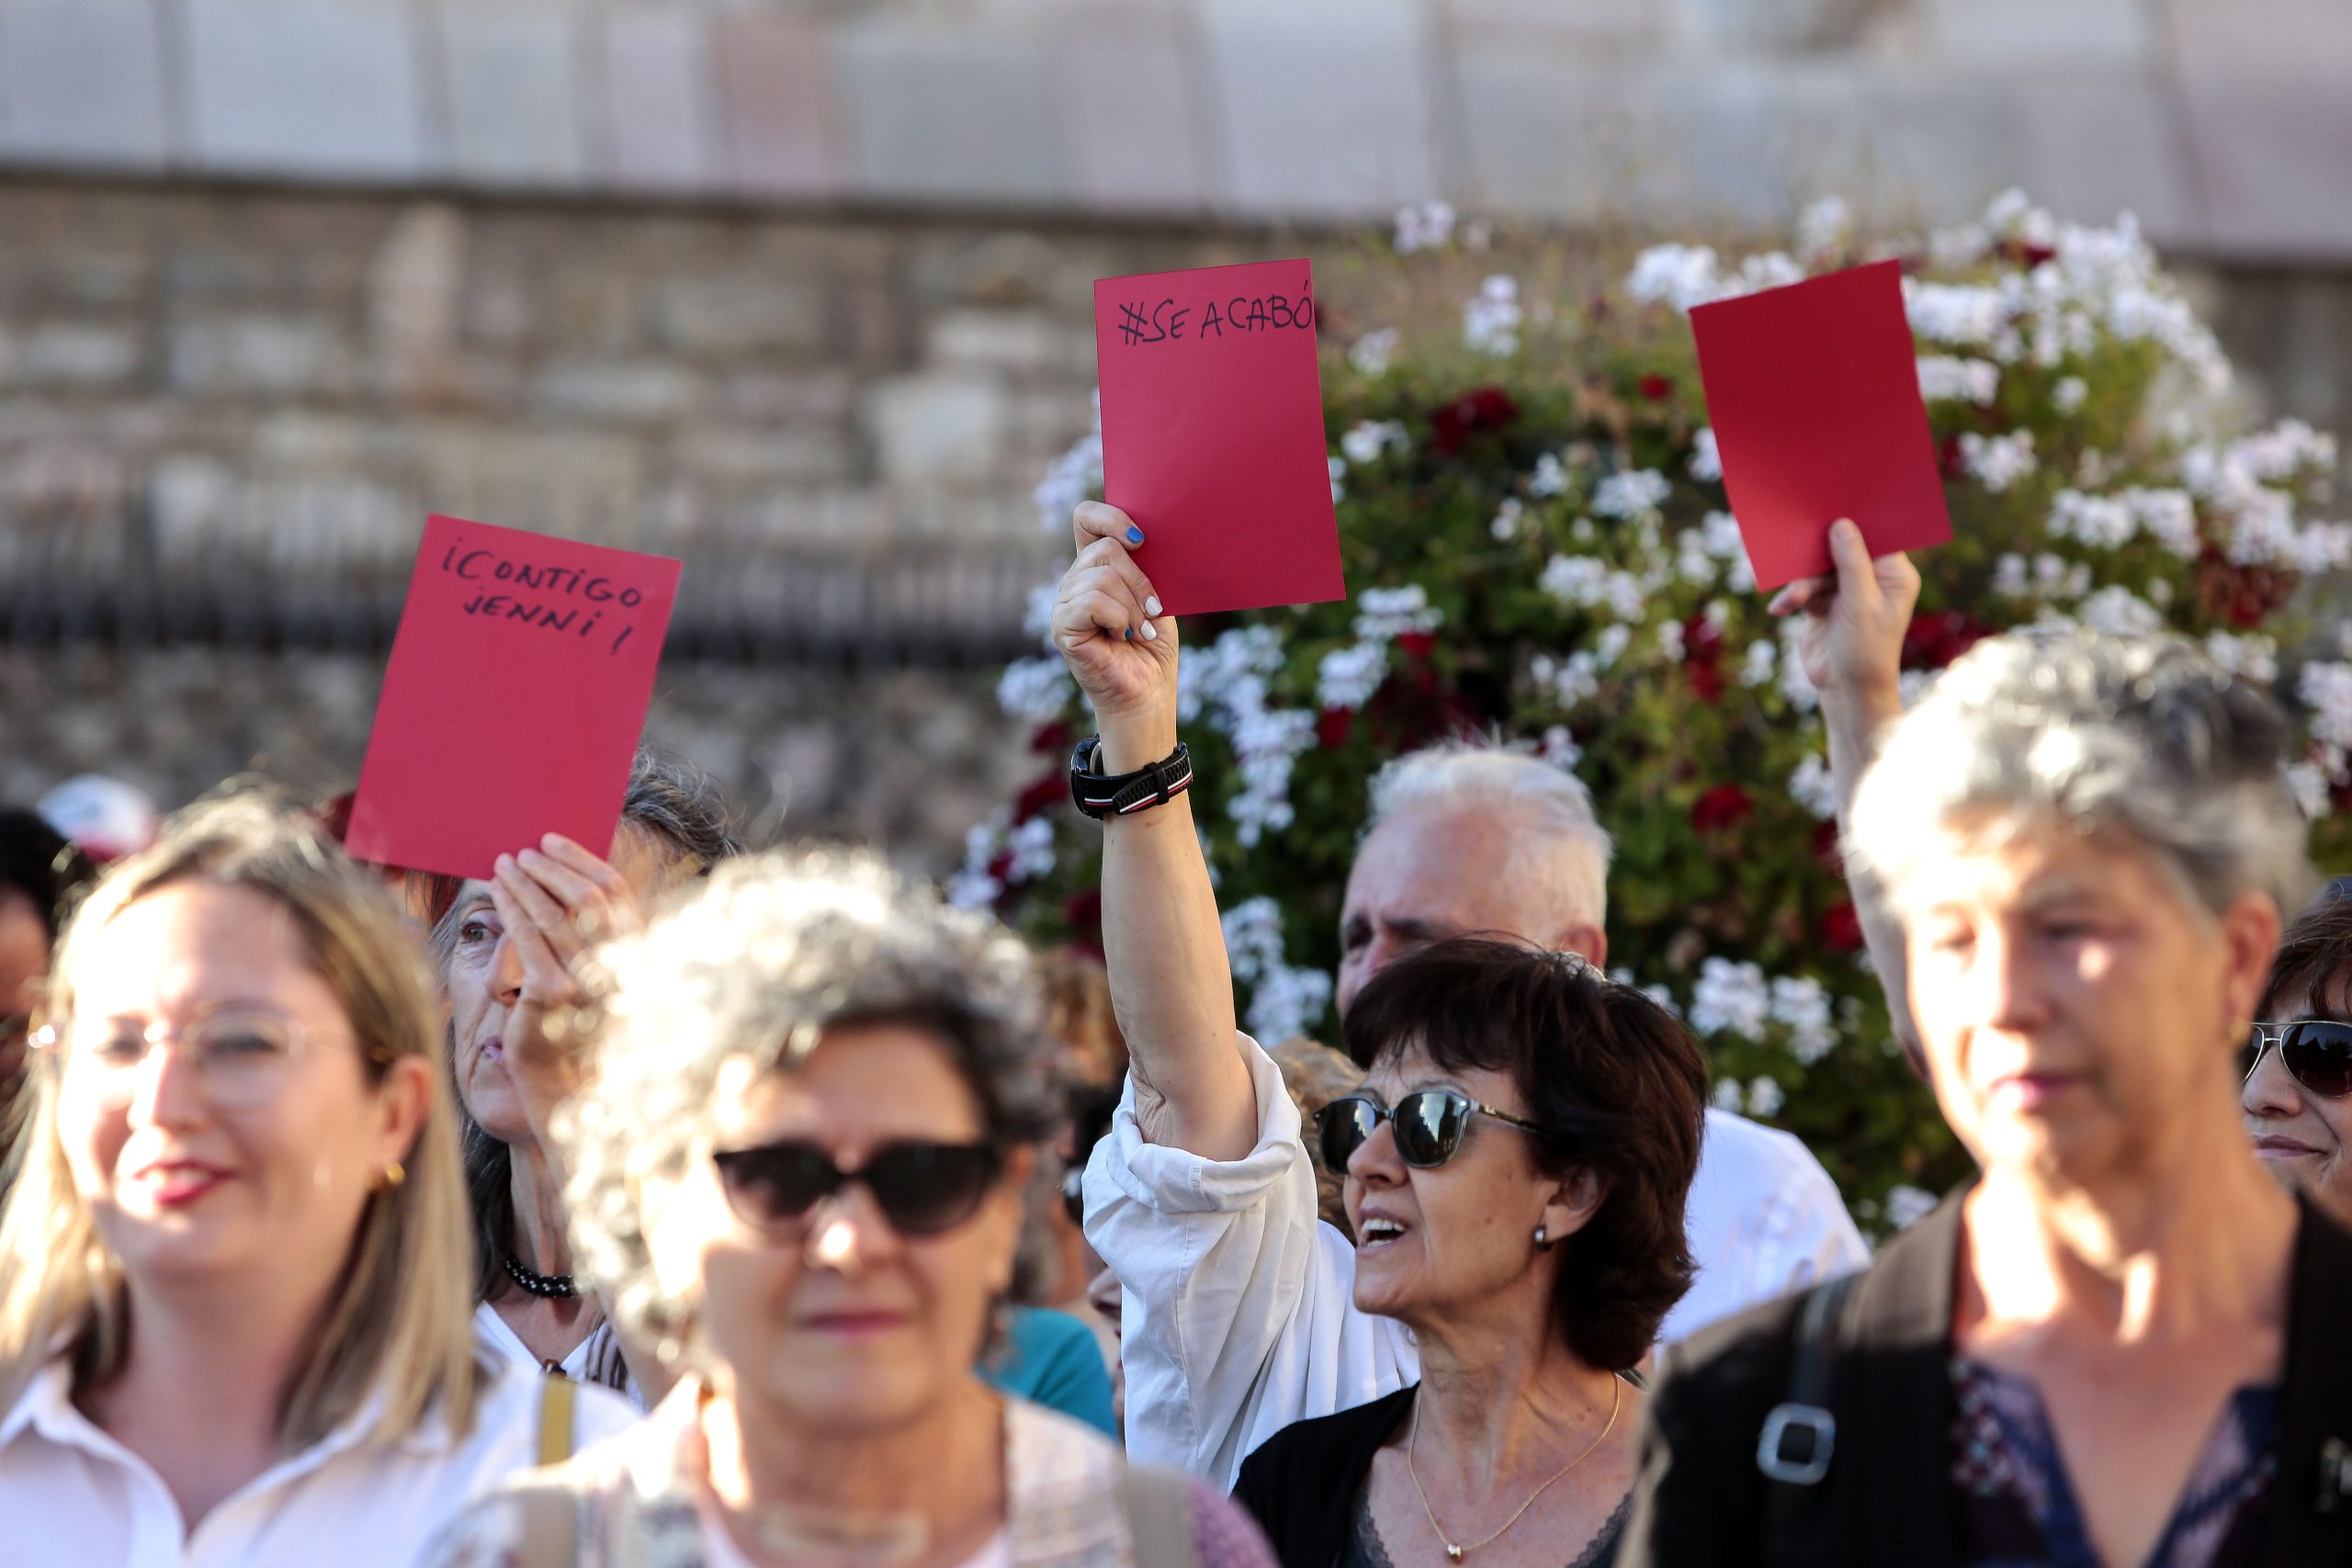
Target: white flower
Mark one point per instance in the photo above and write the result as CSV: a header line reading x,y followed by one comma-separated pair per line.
x,y
1706,456
1383,614
1725,545
1367,439
1073,477
1943,377
1491,322
1965,315
1693,562
1679,275
1550,478
2010,576
1669,642
1036,690
1286,1002
1610,646
1795,685
1997,462
1372,351
1633,493
1338,465
1559,748
1773,269
1348,676
2256,657
1032,845
1802,1006
2116,611
1825,230
2313,791
2070,394
1763,663
2325,687
1038,614
1423,227
1765,1097
1813,785
1730,998
2167,515
1906,1206
1506,523
1728,1095
1569,681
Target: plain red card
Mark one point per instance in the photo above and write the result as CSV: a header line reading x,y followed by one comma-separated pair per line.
x,y
1212,434
1814,392
514,698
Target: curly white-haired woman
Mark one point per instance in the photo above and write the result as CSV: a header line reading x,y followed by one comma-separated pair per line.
x,y
798,1170
236,1309
2122,1342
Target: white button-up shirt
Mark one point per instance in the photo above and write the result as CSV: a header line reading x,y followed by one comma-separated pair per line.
x,y
1238,1315
70,1494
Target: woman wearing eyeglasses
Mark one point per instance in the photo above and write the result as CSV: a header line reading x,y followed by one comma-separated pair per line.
x,y
799,1168
234,1303
2297,1095
2121,1343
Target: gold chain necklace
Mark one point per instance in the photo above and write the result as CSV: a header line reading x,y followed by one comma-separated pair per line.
x,y
1453,1553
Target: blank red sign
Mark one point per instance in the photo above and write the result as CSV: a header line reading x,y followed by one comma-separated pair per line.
x,y
1212,434
513,699
1814,392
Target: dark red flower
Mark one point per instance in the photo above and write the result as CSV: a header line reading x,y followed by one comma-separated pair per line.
x,y
1042,794
1657,388
1083,912
1824,848
1001,865
1703,659
1841,929
1051,738
1416,646
1332,726
1933,641
1949,458
1723,808
1486,408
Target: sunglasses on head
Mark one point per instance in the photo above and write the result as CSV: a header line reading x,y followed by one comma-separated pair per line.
x,y
921,1188
2316,1053
1428,1124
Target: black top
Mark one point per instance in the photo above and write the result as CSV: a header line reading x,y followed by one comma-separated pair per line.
x,y
1888,1499
1306,1485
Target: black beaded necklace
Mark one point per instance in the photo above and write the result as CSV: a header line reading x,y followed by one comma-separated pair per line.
x,y
549,1287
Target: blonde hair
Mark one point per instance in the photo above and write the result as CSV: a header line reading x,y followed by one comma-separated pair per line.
x,y
401,1318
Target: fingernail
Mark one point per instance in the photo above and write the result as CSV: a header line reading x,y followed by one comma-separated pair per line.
x,y
1131,634
1150,632
1135,535
1151,604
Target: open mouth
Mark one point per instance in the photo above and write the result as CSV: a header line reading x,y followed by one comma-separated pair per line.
x,y
1374,1233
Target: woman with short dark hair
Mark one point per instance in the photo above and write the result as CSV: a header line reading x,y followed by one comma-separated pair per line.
x,y
1516,1165
2296,1094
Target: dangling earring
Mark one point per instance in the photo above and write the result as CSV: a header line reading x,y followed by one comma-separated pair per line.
x,y
394,1174
1542,1240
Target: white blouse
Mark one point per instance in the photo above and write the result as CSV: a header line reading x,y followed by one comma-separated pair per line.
x,y
596,1360
1239,1314
71,1494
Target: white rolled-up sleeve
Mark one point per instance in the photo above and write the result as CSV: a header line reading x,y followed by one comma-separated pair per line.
x,y
1237,1316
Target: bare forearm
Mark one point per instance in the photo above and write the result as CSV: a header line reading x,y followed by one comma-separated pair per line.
x,y
1170,984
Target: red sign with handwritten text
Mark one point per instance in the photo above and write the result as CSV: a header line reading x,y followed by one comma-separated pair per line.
x,y
1212,434
514,698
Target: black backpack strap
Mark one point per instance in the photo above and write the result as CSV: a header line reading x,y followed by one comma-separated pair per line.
x,y
1800,1434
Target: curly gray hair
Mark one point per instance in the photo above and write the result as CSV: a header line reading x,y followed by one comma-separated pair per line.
x,y
753,966
2141,737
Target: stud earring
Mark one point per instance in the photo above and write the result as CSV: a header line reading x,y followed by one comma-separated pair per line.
x,y
1542,1240
394,1174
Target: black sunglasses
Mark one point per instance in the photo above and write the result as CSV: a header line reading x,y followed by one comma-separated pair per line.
x,y
1430,1124
921,1188
2316,1053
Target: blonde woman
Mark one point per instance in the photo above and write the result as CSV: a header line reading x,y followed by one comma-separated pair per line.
x,y
798,1171
235,1309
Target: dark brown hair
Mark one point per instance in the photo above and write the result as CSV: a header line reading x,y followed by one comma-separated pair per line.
x,y
1613,1078
2314,957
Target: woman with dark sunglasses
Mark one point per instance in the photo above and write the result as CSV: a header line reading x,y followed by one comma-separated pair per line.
x,y
799,1164
1516,1163
2297,1093
2121,1342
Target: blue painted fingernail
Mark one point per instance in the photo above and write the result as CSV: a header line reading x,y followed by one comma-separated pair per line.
x,y
1131,634
1135,535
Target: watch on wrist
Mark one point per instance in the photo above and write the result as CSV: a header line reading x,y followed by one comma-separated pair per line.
x,y
1123,795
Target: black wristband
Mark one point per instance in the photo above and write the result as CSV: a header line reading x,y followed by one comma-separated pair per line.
x,y
1122,794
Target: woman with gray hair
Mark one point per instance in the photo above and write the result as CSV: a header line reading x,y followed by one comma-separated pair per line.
x,y
799,1167
2121,1342
507,951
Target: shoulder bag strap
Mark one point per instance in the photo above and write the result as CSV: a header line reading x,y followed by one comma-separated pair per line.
x,y
1160,1518
1800,1434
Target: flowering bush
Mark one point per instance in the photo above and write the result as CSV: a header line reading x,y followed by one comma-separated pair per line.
x,y
1534,520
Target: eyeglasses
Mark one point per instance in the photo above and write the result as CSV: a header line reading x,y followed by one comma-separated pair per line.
x,y
2316,1053
1430,1124
921,1188
243,1055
